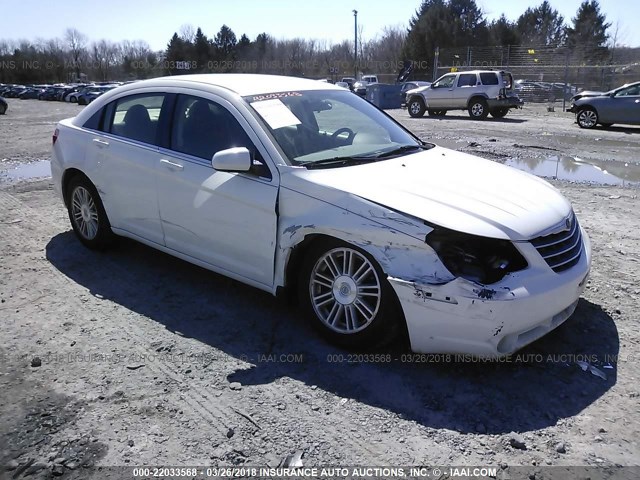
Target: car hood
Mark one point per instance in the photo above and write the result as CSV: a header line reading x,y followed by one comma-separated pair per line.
x,y
588,93
443,187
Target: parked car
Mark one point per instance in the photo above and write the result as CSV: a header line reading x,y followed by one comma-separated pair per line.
x,y
13,91
407,86
30,93
534,91
349,81
73,96
360,87
4,106
288,183
93,93
480,92
621,105
343,85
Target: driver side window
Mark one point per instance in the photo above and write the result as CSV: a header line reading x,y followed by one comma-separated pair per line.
x,y
630,92
202,128
445,82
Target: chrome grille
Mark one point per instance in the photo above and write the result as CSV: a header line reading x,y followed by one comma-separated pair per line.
x,y
561,250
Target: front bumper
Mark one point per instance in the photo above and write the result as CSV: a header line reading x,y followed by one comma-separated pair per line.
x,y
491,321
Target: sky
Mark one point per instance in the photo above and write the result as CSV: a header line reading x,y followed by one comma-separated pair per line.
x,y
331,20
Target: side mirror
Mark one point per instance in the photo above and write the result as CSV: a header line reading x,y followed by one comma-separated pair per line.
x,y
236,159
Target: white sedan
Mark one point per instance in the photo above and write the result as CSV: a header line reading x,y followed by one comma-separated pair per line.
x,y
285,183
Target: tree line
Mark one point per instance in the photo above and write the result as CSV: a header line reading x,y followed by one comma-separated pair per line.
x,y
436,24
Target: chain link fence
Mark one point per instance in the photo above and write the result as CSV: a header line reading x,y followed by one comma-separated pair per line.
x,y
569,69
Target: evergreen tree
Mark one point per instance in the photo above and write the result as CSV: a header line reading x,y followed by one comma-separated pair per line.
x,y
503,32
428,29
225,42
541,26
589,32
202,48
176,51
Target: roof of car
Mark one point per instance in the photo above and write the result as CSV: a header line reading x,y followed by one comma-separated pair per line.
x,y
241,83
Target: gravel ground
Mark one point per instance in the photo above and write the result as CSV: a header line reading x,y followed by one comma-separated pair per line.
x,y
132,357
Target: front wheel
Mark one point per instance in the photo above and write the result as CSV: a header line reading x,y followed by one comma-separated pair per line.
x,y
347,297
416,107
587,118
499,112
478,109
87,215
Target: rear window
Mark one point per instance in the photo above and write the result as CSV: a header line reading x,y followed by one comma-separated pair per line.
x,y
489,78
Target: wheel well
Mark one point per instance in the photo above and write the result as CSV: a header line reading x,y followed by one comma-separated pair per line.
x,y
475,98
69,175
416,97
295,263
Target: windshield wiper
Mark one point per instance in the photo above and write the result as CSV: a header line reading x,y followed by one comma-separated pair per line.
x,y
338,161
404,149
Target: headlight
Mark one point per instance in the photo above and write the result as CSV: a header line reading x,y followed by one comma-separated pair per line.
x,y
479,259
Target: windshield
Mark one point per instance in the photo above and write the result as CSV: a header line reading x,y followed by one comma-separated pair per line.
x,y
327,125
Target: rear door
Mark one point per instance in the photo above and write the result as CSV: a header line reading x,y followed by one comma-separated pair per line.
x,y
464,90
126,155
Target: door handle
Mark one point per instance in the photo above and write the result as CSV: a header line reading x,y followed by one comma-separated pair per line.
x,y
100,143
171,165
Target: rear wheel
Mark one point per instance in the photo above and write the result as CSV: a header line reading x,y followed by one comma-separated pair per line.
x,y
3,109
478,109
416,107
347,297
499,112
587,118
87,215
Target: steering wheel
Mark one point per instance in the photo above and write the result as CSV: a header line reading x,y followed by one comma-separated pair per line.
x,y
350,134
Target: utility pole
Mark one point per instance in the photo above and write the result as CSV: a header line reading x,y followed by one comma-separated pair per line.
x,y
355,44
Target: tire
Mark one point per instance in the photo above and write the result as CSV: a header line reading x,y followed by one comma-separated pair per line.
x,y
3,109
499,112
328,290
587,117
416,107
87,215
73,99
478,109
437,113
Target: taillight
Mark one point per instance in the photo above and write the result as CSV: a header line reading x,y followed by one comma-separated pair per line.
x,y
55,136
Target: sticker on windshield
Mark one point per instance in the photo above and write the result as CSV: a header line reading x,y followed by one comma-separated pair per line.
x,y
276,113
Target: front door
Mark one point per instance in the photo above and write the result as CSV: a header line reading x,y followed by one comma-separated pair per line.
x,y
227,220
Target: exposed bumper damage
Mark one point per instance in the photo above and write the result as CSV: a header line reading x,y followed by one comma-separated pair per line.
x,y
490,321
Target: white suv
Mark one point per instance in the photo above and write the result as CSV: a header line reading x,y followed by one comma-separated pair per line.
x,y
479,91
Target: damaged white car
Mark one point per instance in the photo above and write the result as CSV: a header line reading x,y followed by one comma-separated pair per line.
x,y
286,183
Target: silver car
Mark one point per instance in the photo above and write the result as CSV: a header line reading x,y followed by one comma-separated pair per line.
x,y
621,105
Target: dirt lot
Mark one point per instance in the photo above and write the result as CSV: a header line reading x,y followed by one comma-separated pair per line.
x,y
131,357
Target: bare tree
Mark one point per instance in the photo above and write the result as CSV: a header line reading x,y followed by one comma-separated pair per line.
x,y
77,44
187,33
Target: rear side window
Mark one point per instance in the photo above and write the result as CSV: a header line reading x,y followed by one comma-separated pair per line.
x,y
489,78
136,117
467,80
95,121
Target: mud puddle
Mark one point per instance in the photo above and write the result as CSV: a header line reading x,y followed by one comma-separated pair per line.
x,y
577,170
28,171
